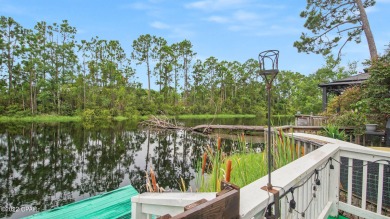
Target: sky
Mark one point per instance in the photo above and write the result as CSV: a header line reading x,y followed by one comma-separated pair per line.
x,y
231,30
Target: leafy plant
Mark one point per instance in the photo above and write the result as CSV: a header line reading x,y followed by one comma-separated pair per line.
x,y
351,99
377,92
333,131
352,118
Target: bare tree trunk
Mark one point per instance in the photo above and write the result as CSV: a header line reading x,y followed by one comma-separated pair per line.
x,y
367,30
147,66
185,81
10,68
31,95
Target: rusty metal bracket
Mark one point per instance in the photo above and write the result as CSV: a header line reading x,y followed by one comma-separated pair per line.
x,y
276,201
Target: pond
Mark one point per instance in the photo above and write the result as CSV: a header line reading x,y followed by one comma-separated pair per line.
x,y
45,165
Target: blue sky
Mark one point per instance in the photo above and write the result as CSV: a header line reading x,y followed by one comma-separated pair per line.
x,y
226,29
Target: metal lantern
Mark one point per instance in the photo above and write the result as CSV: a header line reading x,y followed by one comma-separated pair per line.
x,y
268,62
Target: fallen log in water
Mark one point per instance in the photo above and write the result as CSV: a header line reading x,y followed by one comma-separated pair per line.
x,y
165,123
161,122
209,128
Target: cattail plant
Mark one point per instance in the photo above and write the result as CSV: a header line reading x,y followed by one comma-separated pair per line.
x,y
204,162
228,170
248,166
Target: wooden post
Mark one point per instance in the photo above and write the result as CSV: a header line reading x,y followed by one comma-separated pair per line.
x,y
334,190
324,99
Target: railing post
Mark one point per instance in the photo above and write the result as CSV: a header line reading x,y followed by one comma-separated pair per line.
x,y
136,211
334,190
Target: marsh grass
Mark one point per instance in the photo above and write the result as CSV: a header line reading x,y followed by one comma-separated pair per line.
x,y
247,165
285,150
41,118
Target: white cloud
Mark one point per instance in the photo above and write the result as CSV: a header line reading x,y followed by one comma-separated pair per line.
x,y
174,31
214,5
181,33
269,6
218,19
159,25
276,30
218,5
245,16
237,28
136,6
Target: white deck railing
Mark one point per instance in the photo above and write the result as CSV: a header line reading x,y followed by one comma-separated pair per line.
x,y
301,177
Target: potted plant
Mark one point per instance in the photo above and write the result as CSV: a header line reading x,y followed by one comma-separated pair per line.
x,y
371,127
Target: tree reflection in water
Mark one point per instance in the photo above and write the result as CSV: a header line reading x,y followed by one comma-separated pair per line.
x,y
50,165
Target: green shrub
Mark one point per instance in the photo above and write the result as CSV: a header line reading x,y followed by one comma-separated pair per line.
x,y
333,131
377,91
351,118
88,115
347,101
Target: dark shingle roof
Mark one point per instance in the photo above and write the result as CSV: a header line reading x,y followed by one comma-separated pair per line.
x,y
352,80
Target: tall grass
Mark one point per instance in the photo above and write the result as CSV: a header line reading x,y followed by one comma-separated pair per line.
x,y
247,168
210,171
285,150
41,118
247,165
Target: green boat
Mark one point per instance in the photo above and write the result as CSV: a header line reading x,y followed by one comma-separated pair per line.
x,y
114,204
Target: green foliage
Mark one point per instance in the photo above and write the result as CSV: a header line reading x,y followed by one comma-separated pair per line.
x,y
351,118
247,168
332,24
247,165
285,150
95,115
45,76
88,115
377,91
333,131
350,99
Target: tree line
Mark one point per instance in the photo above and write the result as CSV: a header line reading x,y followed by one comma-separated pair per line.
x,y
45,70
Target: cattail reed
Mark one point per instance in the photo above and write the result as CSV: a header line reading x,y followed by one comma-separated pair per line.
x,y
228,170
281,136
153,180
204,162
219,143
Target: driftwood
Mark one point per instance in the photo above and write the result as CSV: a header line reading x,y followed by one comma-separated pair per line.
x,y
161,122
209,128
165,123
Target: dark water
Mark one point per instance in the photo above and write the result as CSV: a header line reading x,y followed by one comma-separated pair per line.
x,y
43,166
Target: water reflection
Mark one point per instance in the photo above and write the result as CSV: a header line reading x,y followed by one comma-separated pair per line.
x,y
49,165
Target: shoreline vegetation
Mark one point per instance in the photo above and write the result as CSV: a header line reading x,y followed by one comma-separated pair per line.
x,y
56,118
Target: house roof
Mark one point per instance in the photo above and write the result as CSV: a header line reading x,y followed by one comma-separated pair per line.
x,y
352,80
